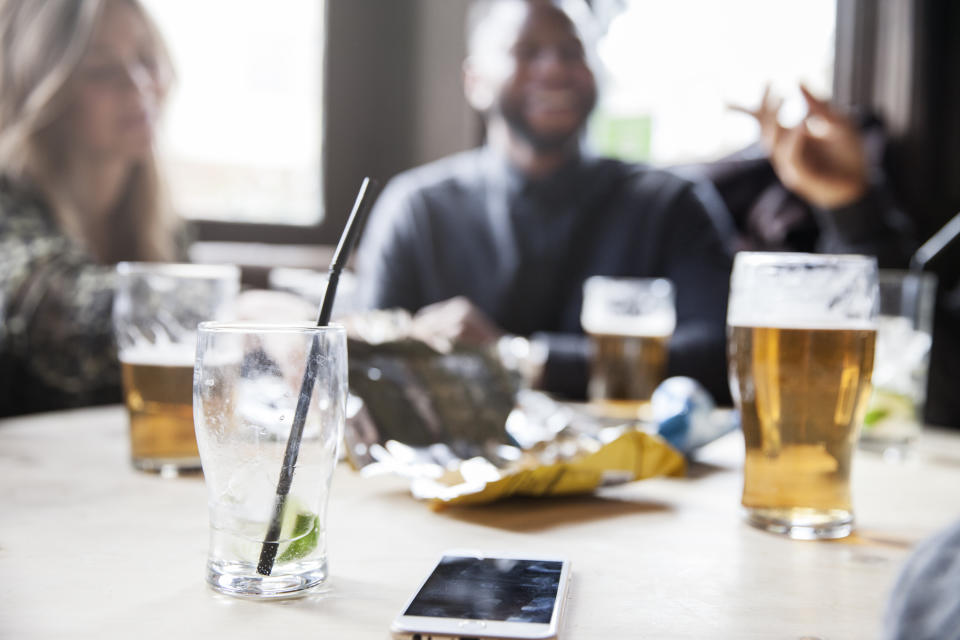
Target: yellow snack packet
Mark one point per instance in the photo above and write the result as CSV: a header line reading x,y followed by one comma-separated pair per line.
x,y
633,455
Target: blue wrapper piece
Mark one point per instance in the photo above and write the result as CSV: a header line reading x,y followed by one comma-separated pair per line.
x,y
686,414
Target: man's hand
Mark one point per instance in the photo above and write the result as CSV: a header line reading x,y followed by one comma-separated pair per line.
x,y
456,320
821,159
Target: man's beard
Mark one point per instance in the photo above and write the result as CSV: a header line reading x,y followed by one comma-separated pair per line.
x,y
541,142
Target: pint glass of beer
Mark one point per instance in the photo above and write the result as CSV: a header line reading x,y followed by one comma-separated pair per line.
x,y
155,314
801,336
629,321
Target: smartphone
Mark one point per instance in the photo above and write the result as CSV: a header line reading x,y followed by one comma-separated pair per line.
x,y
472,595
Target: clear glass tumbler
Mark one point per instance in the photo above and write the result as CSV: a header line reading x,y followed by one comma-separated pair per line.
x,y
155,315
904,337
801,338
247,383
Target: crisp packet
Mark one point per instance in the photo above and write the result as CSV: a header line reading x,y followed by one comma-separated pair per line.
x,y
458,425
631,455
553,450
686,415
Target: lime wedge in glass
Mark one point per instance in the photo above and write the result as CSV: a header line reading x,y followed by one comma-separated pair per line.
x,y
302,527
886,404
306,534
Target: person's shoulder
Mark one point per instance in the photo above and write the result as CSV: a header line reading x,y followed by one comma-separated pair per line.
x,y
431,193
30,237
646,181
12,201
682,197
455,173
22,212
923,601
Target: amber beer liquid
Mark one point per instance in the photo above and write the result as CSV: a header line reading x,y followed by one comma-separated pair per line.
x,y
802,395
158,392
625,369
629,322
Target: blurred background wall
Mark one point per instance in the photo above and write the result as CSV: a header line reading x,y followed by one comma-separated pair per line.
x,y
377,86
901,58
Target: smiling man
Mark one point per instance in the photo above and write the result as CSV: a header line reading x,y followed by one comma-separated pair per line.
x,y
499,240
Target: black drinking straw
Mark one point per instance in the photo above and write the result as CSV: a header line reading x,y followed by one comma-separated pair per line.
x,y
937,243
922,257
268,552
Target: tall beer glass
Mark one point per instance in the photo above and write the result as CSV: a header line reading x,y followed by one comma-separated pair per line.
x,y
801,336
155,313
629,321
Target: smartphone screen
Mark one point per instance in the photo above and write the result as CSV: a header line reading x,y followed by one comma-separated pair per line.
x,y
501,589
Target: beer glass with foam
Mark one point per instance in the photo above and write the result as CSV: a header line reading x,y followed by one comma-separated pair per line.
x,y
156,312
629,321
801,335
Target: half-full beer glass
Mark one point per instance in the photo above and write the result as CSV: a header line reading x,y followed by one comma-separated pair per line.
x,y
155,314
247,386
801,334
629,321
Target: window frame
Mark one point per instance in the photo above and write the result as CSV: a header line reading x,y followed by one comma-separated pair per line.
x,y
384,109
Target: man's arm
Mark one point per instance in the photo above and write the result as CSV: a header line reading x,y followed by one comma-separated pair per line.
x,y
388,254
563,360
872,225
695,258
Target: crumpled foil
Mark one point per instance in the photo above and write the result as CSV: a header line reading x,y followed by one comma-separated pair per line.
x,y
457,423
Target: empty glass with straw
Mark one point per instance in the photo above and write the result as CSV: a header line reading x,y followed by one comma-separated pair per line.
x,y
269,406
247,387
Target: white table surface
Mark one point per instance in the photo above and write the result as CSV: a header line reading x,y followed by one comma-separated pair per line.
x,y
91,548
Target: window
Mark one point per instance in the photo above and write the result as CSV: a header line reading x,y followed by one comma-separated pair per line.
x,y
242,132
673,67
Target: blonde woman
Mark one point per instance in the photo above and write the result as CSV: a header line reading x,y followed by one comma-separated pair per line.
x,y
81,85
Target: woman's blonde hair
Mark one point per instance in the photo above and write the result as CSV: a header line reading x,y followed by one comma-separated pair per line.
x,y
41,45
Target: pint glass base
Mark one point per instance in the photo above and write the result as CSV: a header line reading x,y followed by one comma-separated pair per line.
x,y
891,451
167,467
240,579
894,444
803,524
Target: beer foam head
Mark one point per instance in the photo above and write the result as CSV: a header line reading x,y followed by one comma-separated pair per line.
x,y
799,290
169,355
180,355
628,306
164,302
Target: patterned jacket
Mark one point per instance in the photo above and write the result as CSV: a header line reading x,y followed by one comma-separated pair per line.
x,y
56,339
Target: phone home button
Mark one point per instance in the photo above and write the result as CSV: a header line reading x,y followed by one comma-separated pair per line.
x,y
472,624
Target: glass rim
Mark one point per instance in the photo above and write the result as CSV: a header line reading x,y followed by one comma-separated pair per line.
x,y
798,258
240,326
891,275
178,269
629,279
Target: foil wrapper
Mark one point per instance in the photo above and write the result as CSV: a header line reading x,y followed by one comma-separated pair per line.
x,y
457,423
